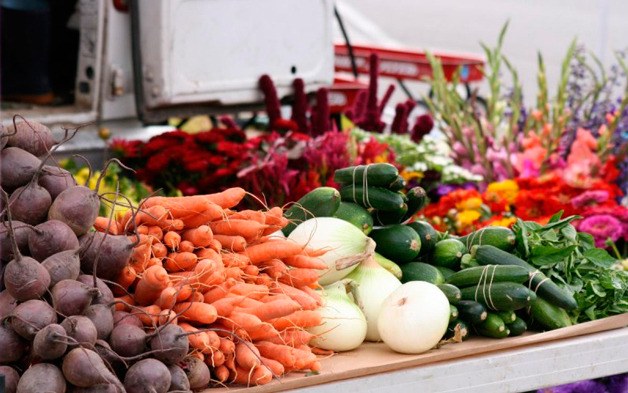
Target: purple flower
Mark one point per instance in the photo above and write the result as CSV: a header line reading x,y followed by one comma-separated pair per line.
x,y
589,386
445,189
589,198
618,383
602,227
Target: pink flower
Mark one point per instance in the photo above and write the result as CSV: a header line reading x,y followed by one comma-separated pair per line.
x,y
602,227
591,197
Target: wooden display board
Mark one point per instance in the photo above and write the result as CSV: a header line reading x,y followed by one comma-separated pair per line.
x,y
375,358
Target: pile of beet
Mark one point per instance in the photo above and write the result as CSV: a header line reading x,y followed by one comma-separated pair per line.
x,y
59,331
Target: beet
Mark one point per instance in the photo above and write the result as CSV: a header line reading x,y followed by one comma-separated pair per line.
x,y
197,372
11,377
106,353
13,346
100,388
55,180
31,136
81,329
42,377
105,296
31,316
171,343
30,204
76,206
7,304
102,317
51,237
127,340
84,368
25,279
50,342
62,266
21,232
17,167
123,317
110,252
178,379
147,376
71,297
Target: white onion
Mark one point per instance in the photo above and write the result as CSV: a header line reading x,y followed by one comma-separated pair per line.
x,y
414,317
374,284
346,245
344,325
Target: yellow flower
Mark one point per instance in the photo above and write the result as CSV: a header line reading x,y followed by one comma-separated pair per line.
x,y
467,217
411,175
507,189
504,222
469,204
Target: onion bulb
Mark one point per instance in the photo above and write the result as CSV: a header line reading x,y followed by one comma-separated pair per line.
x,y
343,326
414,317
374,284
346,245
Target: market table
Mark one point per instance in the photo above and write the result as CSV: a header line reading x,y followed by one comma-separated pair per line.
x,y
588,350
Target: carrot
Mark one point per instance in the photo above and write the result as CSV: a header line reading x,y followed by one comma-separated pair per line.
x,y
284,354
209,272
149,287
275,268
152,262
167,298
251,290
298,295
125,279
214,340
221,373
292,337
156,233
150,216
218,291
299,318
235,260
208,253
250,215
200,236
273,249
238,227
196,312
250,270
198,354
123,303
172,240
231,243
198,339
179,261
159,250
228,198
264,279
167,316
305,262
225,306
246,355
196,297
313,294
299,277
210,212
274,309
274,366
186,246
139,256
103,224
304,359
184,291
149,315
234,272
227,346
141,229
214,358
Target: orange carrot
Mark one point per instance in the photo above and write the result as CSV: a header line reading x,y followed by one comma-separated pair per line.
x,y
149,287
298,295
250,270
214,340
218,291
292,337
200,236
184,291
246,355
264,279
150,216
196,312
275,268
156,232
299,277
304,359
274,366
274,309
306,262
231,243
208,253
149,315
186,246
273,249
123,303
300,318
141,229
225,306
251,290
125,279
238,227
209,272
152,262
168,316
210,212
198,354
284,354
227,346
214,358
159,250
234,272
167,298
179,261
196,297
140,256
250,215
221,373
103,224
172,240
228,198
313,294
235,260
198,339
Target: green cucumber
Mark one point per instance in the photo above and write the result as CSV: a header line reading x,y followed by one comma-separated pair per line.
x,y
356,215
417,199
468,261
471,311
419,271
445,271
500,296
374,197
320,202
428,235
378,175
517,327
397,185
453,313
548,315
389,265
448,253
545,287
493,327
500,237
381,217
452,292
398,243
507,316
457,324
488,273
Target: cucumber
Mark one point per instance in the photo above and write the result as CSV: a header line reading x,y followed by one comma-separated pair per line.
x,y
448,253
468,261
397,185
471,311
453,313
398,243
517,327
545,287
500,237
389,265
356,215
500,296
381,217
548,315
374,197
507,316
493,326
445,271
488,273
320,202
378,175
417,199
428,235
452,292
451,329
419,271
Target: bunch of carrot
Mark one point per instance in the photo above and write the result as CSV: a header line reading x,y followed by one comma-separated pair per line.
x,y
245,297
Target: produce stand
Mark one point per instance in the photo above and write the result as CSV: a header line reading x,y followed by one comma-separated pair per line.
x,y
534,360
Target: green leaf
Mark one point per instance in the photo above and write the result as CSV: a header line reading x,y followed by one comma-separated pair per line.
x,y
560,223
556,217
521,238
599,257
569,232
546,255
590,313
586,240
597,289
